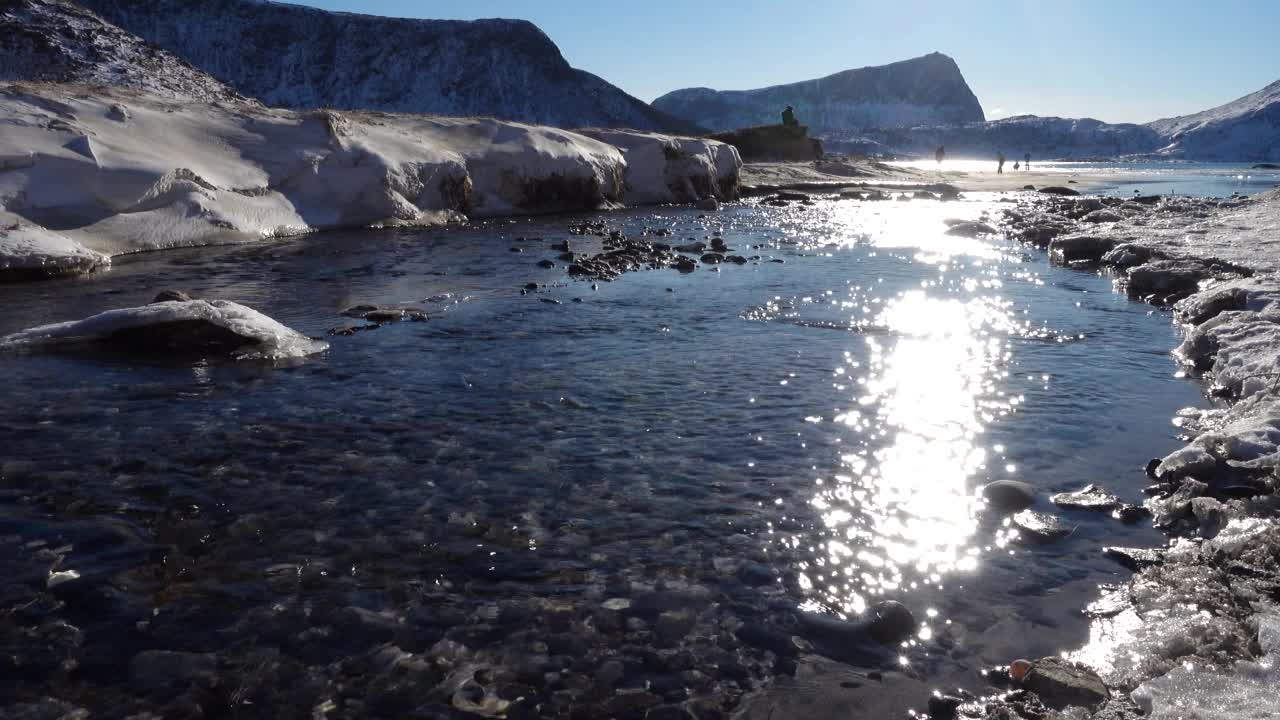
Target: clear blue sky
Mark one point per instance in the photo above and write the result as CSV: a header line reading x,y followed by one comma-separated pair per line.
x,y
1117,60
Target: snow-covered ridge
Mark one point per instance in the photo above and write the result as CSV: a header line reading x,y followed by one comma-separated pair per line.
x,y
301,57
1043,137
86,172
1244,129
928,89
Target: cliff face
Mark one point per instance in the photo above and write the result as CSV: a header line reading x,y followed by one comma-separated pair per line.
x,y
300,57
928,89
1246,129
57,41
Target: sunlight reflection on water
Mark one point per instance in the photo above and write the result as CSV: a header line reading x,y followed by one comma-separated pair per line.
x,y
898,509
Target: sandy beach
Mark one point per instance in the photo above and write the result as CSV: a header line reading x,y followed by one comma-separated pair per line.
x,y
834,173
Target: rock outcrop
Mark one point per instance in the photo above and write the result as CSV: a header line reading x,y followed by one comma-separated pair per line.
x,y
928,89
779,143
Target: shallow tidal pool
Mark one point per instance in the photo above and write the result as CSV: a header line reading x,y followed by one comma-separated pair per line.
x,y
585,499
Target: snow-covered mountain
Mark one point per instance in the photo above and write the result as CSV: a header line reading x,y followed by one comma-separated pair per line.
x,y
301,57
1244,129
928,89
1043,137
58,41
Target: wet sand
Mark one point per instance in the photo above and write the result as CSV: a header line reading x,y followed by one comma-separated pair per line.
x,y
831,174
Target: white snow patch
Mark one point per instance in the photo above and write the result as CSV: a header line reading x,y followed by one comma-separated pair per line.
x,y
271,340
667,169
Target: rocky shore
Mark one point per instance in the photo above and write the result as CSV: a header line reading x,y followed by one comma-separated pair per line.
x,y
1195,631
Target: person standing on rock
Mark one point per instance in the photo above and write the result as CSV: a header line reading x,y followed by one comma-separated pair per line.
x,y
939,154
1000,163
789,117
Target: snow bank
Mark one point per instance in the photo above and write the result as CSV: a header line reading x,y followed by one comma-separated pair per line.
x,y
28,251
667,169
247,332
116,171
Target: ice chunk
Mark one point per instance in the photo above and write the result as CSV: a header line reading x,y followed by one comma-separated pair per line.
x,y
28,251
1246,691
177,326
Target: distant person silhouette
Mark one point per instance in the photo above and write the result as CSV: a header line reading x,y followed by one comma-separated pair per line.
x,y
789,117
1026,165
939,154
1000,163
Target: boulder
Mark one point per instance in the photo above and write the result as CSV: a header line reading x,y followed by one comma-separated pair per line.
x,y
1061,684
1080,248
1009,495
1058,190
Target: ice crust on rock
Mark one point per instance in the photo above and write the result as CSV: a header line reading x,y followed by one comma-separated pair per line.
x,y
264,338
28,251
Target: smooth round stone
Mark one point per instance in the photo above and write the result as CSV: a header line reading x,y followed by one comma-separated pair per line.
x,y
891,622
1009,495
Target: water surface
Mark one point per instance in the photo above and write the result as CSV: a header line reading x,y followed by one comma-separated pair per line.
x,y
517,492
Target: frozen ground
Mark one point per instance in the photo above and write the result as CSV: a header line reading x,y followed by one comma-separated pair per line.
x,y
87,173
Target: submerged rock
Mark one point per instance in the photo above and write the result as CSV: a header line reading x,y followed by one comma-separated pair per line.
x,y
1009,495
971,229
1058,190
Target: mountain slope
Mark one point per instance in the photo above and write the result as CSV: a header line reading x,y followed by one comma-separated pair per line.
x,y
1046,138
928,89
1244,129
301,57
57,41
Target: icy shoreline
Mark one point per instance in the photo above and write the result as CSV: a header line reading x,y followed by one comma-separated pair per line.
x,y
90,173
1193,632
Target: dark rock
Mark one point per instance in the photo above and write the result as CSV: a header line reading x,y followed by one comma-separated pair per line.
x,y
708,204
546,264
1076,248
172,296
712,258
943,707
383,316
695,247
1134,558
736,259
891,622
1058,190
1130,514
673,625
1009,495
1090,497
1028,187
1060,684
685,265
